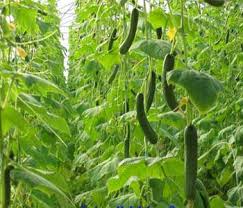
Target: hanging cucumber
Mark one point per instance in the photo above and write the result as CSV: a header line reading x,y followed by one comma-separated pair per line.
x,y
150,90
159,32
148,131
114,73
112,39
7,184
132,32
190,145
216,3
168,90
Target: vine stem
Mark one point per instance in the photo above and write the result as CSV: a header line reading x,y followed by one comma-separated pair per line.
x,y
3,195
126,87
183,30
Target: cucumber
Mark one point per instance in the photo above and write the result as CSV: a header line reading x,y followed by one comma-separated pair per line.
x,y
114,73
190,153
168,90
148,131
7,184
126,44
216,3
112,39
150,90
159,32
127,132
227,36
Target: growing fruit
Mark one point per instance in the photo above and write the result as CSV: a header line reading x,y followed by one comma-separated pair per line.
x,y
112,39
132,32
150,90
216,3
168,90
148,131
159,32
190,145
114,73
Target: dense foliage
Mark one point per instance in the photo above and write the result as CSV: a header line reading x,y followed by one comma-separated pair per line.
x,y
155,122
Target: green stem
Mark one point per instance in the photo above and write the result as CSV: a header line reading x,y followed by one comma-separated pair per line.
x,y
3,195
183,30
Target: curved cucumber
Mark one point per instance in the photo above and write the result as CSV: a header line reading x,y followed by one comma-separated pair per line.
x,y
190,145
112,39
150,91
216,3
168,90
159,32
148,131
132,32
113,75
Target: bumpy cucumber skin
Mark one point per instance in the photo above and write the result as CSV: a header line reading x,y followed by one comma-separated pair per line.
x,y
151,91
148,131
216,3
190,145
168,90
114,73
7,185
112,39
132,32
159,32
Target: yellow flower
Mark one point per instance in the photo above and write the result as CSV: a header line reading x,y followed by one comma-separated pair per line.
x,y
21,52
183,101
11,26
171,33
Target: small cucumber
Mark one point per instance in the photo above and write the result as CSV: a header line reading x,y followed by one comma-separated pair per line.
x,y
112,39
168,90
114,73
216,3
159,32
127,132
132,32
150,90
7,184
148,131
190,145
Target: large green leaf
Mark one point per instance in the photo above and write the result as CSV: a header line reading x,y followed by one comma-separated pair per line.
x,y
154,48
25,18
34,107
202,88
13,119
157,18
174,119
35,180
34,82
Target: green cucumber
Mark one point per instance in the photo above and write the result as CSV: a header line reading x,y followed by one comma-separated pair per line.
x,y
112,39
148,131
168,90
7,184
113,74
132,32
216,3
149,96
159,32
190,145
127,132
